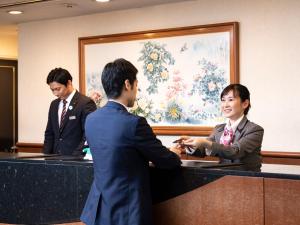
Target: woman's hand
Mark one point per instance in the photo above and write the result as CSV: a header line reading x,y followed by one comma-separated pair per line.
x,y
197,143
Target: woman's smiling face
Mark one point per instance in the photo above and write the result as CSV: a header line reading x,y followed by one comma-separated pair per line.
x,y
232,106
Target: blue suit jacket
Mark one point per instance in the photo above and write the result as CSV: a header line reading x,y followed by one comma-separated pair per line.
x,y
122,145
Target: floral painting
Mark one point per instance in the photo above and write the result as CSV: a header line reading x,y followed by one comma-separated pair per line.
x,y
180,77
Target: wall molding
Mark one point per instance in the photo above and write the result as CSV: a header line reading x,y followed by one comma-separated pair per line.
x,y
29,147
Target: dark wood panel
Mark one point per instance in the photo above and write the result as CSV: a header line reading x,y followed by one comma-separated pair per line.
x,y
8,104
287,158
29,147
282,201
231,200
295,155
285,161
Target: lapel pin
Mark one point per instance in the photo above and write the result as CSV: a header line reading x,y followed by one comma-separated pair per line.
x,y
70,107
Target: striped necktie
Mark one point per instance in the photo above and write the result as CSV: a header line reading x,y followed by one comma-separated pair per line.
x,y
63,112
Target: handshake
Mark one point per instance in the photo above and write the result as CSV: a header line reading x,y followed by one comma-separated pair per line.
x,y
189,145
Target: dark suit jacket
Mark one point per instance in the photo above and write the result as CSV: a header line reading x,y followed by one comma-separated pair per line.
x,y
245,148
70,139
122,145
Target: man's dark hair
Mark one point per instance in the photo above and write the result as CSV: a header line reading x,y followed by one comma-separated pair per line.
x,y
59,75
114,75
240,91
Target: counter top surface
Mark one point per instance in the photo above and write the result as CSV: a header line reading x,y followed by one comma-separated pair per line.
x,y
35,184
267,170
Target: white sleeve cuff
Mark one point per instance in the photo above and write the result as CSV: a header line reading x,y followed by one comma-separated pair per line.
x,y
189,150
208,151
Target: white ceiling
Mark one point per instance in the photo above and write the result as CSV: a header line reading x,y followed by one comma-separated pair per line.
x,y
52,9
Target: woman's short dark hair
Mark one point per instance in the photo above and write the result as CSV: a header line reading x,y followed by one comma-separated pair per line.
x,y
240,91
114,75
59,75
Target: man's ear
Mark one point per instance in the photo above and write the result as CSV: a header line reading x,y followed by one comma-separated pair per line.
x,y
69,83
127,85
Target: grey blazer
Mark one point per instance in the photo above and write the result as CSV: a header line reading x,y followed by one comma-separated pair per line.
x,y
245,148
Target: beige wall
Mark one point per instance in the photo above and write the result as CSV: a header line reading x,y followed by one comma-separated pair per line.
x,y
269,58
8,46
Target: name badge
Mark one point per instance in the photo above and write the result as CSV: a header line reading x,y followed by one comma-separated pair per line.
x,y
72,117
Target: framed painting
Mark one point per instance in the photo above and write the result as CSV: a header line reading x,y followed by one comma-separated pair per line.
x,y
182,72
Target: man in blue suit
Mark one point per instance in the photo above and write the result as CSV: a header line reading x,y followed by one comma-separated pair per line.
x,y
122,145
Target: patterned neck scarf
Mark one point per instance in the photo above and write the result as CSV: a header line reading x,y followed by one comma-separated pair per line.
x,y
227,136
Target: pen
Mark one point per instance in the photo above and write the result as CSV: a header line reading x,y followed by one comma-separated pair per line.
x,y
178,141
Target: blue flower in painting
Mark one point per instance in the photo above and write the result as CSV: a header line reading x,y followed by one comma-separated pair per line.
x,y
211,83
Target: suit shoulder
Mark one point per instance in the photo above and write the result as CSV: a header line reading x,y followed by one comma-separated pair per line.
x,y
220,126
57,100
254,126
87,102
84,98
93,115
54,102
139,119
131,118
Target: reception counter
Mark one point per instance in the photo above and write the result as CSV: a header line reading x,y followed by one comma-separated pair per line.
x,y
44,189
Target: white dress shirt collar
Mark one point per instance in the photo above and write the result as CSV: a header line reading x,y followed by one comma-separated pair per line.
x,y
69,98
235,124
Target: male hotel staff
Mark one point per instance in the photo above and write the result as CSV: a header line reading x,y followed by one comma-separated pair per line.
x,y
122,145
65,128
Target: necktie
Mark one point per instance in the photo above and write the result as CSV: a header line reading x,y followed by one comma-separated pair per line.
x,y
63,112
227,137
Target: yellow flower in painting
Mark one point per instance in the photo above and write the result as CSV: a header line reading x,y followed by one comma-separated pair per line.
x,y
162,105
157,116
154,56
164,75
174,113
150,67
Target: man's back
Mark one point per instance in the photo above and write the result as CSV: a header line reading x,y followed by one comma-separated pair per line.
x,y
122,145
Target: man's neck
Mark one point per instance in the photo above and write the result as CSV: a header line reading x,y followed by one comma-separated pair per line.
x,y
121,101
70,91
118,101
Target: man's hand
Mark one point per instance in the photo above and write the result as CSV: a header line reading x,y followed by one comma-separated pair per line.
x,y
176,150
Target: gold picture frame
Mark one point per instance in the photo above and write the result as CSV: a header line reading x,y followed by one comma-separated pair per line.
x,y
163,57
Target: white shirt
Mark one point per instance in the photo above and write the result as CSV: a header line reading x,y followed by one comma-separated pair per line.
x,y
235,124
60,106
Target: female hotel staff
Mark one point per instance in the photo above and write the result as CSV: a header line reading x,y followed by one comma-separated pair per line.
x,y
239,140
